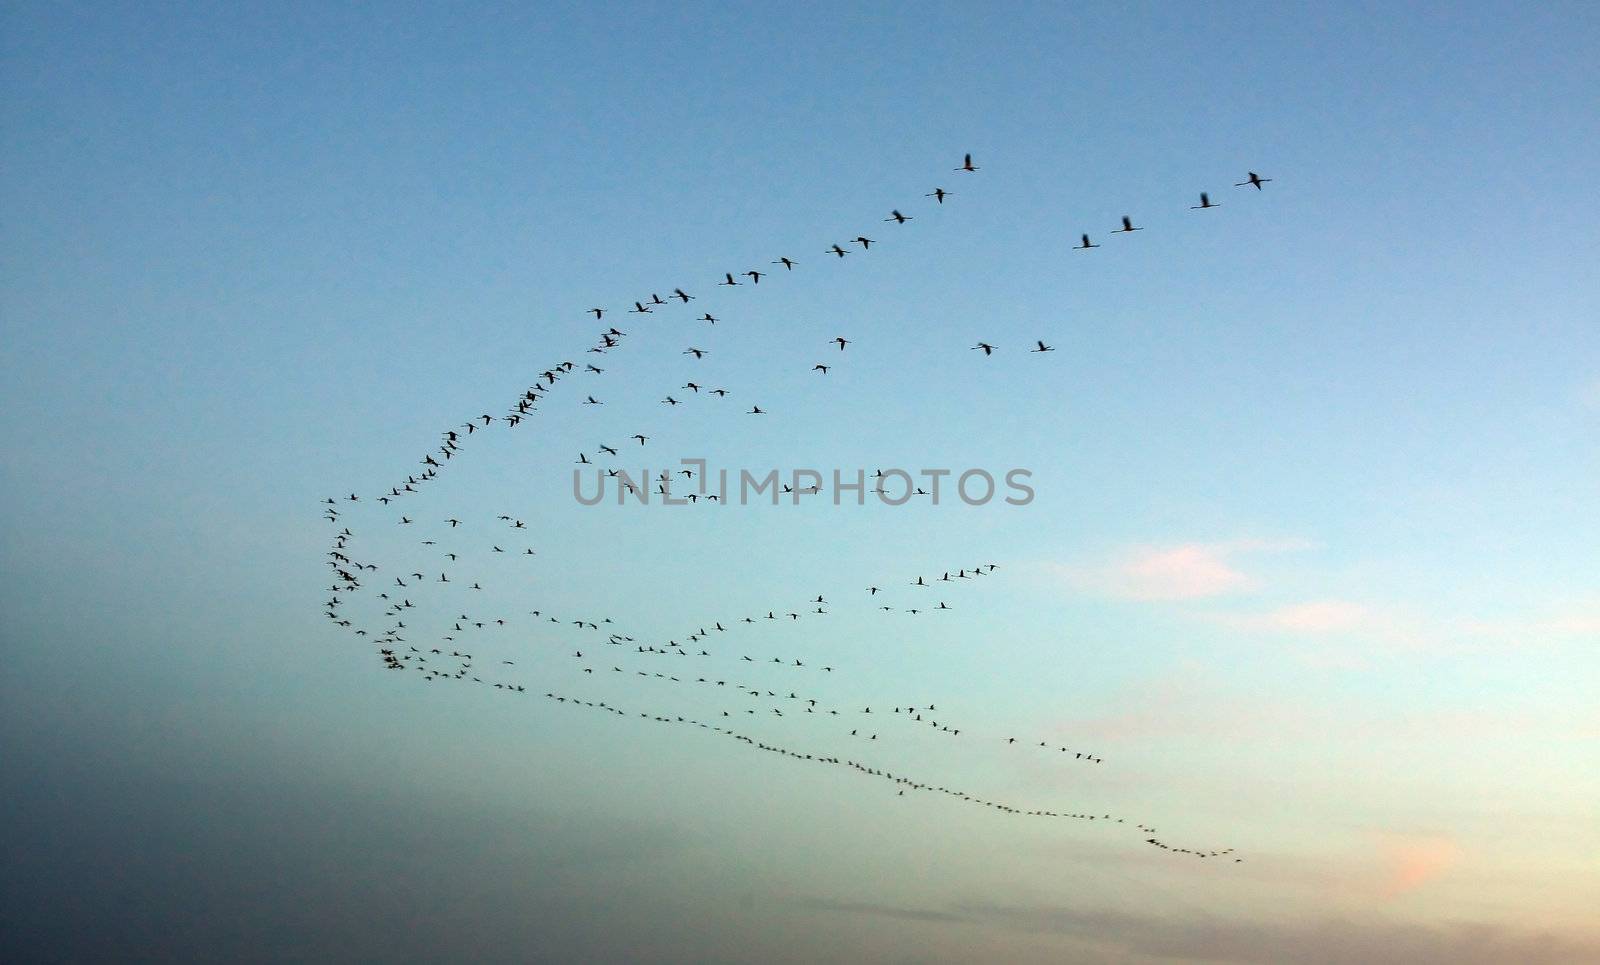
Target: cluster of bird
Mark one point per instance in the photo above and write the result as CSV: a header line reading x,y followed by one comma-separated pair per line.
x,y
464,628
452,659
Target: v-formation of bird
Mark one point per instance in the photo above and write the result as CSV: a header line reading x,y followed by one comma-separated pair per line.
x,y
467,631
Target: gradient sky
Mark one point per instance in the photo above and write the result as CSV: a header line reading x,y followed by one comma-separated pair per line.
x,y
1312,561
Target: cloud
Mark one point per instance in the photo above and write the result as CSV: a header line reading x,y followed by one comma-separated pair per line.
x,y
1318,616
1413,861
1187,571
883,911
1589,394
1580,622
1328,941
1192,702
1333,941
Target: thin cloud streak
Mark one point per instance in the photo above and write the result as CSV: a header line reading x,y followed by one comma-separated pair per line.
x,y
1186,571
1329,941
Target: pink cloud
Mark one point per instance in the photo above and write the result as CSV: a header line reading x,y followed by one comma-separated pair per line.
x,y
1318,616
1188,571
1180,573
1414,860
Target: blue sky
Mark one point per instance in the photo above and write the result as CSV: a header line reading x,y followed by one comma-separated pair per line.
x,y
1311,560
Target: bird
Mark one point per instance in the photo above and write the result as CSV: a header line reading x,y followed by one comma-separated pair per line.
x,y
598,312
728,279
1127,226
1043,347
1254,179
985,346
1086,243
865,243
841,342
1205,202
898,218
698,353
756,410
788,264
836,250
819,367
966,164
938,194
755,277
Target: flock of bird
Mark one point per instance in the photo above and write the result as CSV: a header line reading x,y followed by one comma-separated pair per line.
x,y
425,617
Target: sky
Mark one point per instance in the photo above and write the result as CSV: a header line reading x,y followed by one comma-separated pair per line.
x,y
1311,560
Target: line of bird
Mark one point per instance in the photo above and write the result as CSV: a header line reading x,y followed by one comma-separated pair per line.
x,y
347,571
610,339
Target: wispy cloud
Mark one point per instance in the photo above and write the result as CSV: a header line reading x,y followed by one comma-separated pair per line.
x,y
1317,616
1589,394
1185,571
1328,941
1414,860
884,911
1346,632
1572,622
1193,702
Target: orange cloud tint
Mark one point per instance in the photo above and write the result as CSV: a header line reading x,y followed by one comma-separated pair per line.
x,y
1413,861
